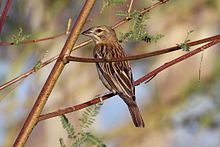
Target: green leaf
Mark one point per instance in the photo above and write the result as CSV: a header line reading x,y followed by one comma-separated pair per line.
x,y
87,119
88,116
81,138
94,140
121,13
38,65
184,45
138,29
67,126
20,37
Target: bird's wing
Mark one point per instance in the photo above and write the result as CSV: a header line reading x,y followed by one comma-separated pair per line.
x,y
117,74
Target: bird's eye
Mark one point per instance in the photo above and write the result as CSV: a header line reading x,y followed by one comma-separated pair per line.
x,y
99,30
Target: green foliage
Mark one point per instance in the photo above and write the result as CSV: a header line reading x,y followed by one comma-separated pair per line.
x,y
38,65
82,136
67,126
111,2
184,45
18,38
137,29
88,116
94,140
87,137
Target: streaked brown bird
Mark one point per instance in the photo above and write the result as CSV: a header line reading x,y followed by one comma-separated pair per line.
x,y
116,76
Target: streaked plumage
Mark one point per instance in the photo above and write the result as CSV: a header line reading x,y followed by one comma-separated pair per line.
x,y
116,76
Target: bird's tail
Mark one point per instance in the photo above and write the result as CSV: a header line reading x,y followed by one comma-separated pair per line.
x,y
136,115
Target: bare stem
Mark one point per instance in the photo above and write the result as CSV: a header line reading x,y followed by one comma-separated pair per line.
x,y
4,14
140,56
32,118
130,6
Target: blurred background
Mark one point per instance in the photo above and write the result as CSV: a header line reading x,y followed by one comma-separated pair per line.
x,y
179,108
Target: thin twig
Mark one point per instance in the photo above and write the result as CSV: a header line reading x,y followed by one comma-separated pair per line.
x,y
26,74
200,66
4,14
41,39
32,118
130,6
32,41
135,57
136,83
176,60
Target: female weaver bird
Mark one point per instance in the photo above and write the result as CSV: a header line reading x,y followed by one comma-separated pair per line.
x,y
116,76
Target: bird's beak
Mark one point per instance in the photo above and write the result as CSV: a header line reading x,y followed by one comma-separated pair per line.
x,y
87,32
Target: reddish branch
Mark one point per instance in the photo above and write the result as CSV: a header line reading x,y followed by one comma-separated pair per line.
x,y
141,56
26,74
33,41
137,82
91,60
4,14
176,60
78,59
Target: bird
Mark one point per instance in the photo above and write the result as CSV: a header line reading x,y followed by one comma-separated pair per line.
x,y
116,76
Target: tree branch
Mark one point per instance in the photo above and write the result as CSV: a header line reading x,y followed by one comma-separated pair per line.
x,y
130,6
140,56
33,41
32,118
31,71
78,59
136,83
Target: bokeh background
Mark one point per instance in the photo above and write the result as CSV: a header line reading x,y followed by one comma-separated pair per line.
x,y
179,108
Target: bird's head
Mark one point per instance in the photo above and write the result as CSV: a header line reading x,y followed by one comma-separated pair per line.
x,y
101,34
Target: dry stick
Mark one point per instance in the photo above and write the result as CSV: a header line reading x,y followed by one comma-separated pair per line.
x,y
26,74
4,14
136,83
32,119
